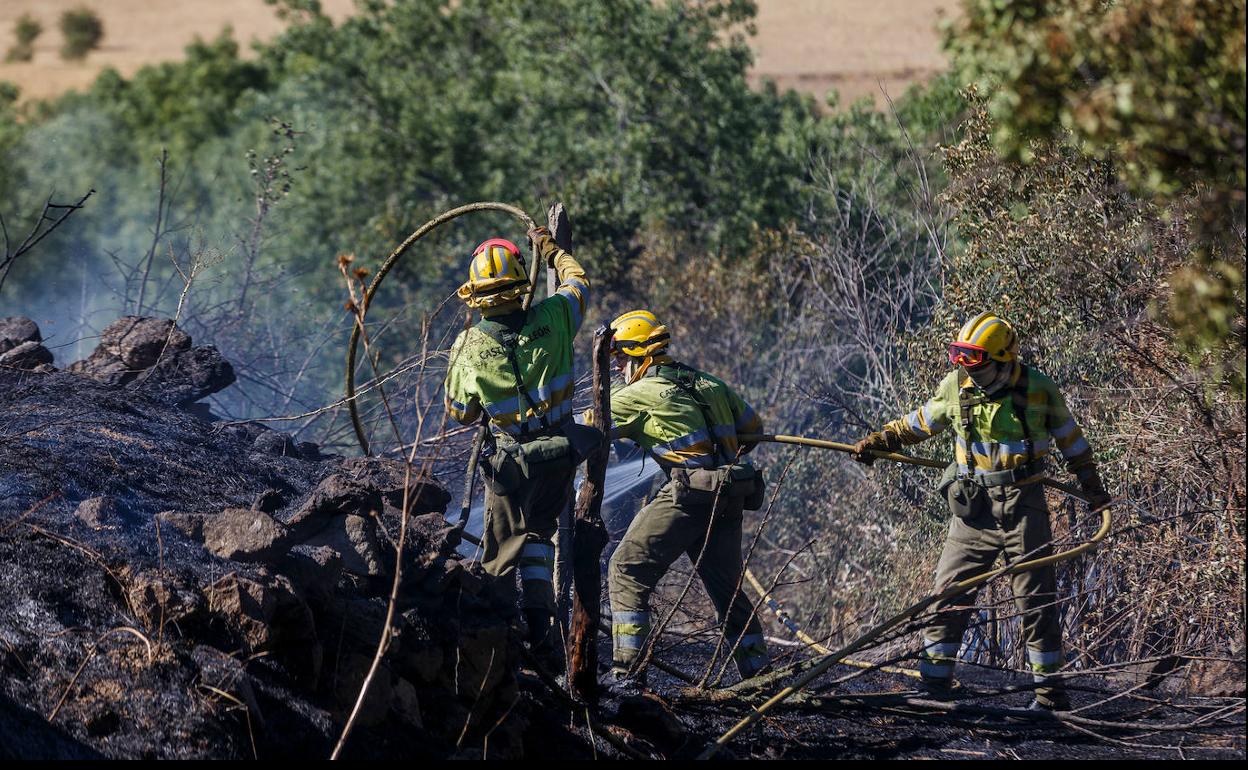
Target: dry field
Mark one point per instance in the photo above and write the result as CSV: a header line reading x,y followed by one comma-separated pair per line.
x,y
858,47
136,32
854,46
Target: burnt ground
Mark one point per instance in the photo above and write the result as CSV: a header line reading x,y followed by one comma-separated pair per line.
x,y
180,588
877,715
175,587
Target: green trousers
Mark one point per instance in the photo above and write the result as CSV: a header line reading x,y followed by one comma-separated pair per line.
x,y
519,532
1017,525
660,533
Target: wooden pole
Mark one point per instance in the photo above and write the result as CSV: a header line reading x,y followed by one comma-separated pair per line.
x,y
589,537
561,232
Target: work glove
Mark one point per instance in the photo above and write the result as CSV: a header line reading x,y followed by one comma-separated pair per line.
x,y
878,441
545,243
1093,488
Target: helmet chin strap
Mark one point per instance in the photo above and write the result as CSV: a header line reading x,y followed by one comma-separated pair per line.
x,y
634,369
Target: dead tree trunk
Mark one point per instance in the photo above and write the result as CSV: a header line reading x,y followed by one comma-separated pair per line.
x,y
561,231
589,537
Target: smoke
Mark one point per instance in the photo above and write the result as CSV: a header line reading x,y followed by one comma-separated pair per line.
x,y
210,210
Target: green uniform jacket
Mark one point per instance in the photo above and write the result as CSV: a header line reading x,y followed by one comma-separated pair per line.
x,y
666,421
998,435
481,378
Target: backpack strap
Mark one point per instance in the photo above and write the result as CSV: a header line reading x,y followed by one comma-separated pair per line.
x,y
686,379
509,338
967,403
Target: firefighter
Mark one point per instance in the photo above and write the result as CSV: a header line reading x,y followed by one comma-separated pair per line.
x,y
1007,417
689,421
515,368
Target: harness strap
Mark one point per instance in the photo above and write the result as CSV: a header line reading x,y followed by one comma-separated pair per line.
x,y
1018,403
688,383
509,339
967,402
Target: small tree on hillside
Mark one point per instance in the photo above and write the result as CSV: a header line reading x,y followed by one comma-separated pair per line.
x,y
82,29
26,29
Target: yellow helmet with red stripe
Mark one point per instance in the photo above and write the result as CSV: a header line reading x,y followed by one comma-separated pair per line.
x,y
496,275
984,335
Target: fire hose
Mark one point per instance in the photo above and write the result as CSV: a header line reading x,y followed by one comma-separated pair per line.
x,y
832,658
441,219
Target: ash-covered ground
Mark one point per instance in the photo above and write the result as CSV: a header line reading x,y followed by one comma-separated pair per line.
x,y
176,586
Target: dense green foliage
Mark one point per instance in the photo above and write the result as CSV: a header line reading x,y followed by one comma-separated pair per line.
x,y
637,115
1157,85
82,31
1157,89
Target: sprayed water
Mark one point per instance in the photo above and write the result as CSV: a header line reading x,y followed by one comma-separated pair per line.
x,y
626,486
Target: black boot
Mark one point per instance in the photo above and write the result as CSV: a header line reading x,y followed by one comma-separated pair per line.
x,y
1050,701
539,624
937,689
543,641
618,683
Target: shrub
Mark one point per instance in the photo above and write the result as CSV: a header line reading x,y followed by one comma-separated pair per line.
x,y
26,29
82,29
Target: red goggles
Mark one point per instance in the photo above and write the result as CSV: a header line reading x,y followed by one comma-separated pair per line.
x,y
965,354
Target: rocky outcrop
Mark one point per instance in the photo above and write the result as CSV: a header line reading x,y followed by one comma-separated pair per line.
x,y
148,354
101,512
223,584
154,355
21,345
242,534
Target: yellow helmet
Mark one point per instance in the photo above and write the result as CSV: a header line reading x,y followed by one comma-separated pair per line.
x,y
639,334
984,335
496,275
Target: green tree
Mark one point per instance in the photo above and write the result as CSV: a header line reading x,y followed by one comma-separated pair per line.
x,y
82,31
635,113
25,31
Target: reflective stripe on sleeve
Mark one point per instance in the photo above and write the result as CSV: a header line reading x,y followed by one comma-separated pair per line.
x,y
576,304
924,421
1080,446
1066,430
747,419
